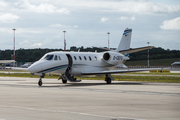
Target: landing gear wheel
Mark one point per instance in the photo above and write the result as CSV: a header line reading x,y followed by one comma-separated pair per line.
x,y
64,81
40,82
108,80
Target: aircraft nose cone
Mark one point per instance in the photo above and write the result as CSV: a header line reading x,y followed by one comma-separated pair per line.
x,y
31,69
36,67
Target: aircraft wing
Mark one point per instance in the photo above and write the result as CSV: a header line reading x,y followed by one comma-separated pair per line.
x,y
133,50
118,71
7,61
122,66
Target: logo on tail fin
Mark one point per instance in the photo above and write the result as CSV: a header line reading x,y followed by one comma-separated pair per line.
x,y
127,55
127,31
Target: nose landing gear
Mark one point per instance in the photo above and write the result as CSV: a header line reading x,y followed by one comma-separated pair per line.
x,y
40,80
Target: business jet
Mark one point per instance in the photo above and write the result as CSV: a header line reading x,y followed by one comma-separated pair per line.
x,y
71,64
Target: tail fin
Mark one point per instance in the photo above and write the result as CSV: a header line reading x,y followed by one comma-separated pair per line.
x,y
125,40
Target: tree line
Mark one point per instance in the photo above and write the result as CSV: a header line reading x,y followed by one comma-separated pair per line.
x,y
32,55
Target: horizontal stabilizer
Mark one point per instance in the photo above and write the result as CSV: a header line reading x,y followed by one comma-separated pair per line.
x,y
118,71
101,48
133,50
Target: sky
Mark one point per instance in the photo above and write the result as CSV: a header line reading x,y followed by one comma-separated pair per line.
x,y
40,23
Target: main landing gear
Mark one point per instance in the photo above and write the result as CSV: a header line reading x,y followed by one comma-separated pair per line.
x,y
108,78
40,80
64,81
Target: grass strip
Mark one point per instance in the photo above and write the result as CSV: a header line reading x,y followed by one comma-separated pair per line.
x,y
166,79
138,78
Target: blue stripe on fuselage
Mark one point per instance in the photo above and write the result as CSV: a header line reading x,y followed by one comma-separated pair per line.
x,y
64,66
53,69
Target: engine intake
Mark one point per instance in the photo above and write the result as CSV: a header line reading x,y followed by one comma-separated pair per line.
x,y
106,56
113,58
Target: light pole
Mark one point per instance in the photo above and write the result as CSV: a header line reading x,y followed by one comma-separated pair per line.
x,y
108,38
148,54
64,41
14,47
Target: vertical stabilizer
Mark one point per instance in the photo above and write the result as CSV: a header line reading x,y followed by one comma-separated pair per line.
x,y
125,40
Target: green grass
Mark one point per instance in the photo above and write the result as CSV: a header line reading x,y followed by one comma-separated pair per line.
x,y
150,79
166,79
155,62
153,73
28,75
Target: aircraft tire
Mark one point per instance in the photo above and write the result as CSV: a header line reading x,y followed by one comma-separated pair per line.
x,y
64,81
40,82
108,80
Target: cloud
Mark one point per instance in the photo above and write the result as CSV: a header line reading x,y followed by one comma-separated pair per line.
x,y
173,24
127,18
42,8
63,26
123,18
2,4
75,26
104,19
37,45
133,18
127,6
8,18
24,42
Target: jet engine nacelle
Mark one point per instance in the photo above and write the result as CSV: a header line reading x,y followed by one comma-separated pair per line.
x,y
113,58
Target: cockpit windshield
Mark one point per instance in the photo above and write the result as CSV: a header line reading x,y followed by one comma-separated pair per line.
x,y
48,57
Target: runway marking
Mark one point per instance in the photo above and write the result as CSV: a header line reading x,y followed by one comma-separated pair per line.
x,y
79,113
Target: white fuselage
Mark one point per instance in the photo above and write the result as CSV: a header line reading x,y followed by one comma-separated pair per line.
x,y
76,62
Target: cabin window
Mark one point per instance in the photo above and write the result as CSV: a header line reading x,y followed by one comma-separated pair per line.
x,y
80,57
59,57
95,58
75,57
49,57
89,58
55,58
85,57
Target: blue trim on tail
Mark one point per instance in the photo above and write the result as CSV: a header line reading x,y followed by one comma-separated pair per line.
x,y
127,32
127,55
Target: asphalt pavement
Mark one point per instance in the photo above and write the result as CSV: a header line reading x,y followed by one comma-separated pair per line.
x,y
23,99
